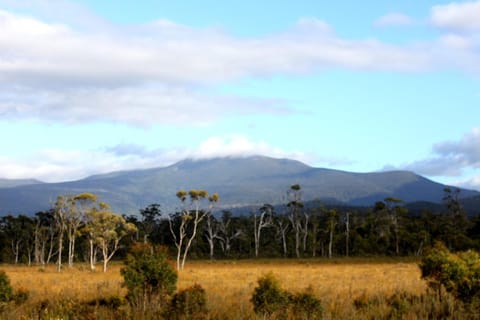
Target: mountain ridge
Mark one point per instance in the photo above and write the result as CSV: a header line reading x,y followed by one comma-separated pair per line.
x,y
240,181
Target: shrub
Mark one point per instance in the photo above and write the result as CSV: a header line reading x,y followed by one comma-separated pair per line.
x,y
459,273
148,276
268,298
190,303
6,290
306,306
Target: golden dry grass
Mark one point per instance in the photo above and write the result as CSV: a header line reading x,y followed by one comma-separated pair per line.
x,y
229,284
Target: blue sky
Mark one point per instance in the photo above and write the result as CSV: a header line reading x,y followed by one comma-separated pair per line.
x,y
88,87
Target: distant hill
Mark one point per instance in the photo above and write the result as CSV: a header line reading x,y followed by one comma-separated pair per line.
x,y
9,183
239,181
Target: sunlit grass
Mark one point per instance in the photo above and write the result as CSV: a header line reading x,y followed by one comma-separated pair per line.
x,y
229,284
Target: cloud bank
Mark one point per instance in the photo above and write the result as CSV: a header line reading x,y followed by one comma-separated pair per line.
x,y
54,165
162,72
452,159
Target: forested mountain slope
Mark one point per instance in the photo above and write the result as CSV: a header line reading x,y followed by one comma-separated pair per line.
x,y
239,181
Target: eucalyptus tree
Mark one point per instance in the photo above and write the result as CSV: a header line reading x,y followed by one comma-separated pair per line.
x,y
44,237
261,221
150,219
227,232
282,225
457,223
61,208
190,216
298,217
212,231
19,233
81,205
106,229
395,211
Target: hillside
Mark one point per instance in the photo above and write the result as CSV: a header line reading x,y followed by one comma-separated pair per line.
x,y
10,183
239,181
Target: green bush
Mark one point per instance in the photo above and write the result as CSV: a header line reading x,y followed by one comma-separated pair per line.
x,y
458,273
148,276
6,291
190,303
268,298
306,306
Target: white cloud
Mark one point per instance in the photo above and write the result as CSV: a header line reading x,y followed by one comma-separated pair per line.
x,y
54,165
472,183
457,16
394,19
52,69
450,158
146,105
69,74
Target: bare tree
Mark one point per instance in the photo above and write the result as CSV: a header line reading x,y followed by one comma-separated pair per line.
x,y
298,219
226,234
332,217
211,233
282,225
347,232
190,216
264,220
62,206
395,210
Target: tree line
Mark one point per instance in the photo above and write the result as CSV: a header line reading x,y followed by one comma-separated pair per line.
x,y
82,228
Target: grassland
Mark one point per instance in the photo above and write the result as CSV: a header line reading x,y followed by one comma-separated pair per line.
x,y
229,285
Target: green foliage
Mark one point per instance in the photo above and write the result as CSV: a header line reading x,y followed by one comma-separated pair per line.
x,y
148,275
268,297
6,290
306,306
458,273
190,303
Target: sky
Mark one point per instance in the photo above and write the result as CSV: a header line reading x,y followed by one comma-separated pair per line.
x,y
90,87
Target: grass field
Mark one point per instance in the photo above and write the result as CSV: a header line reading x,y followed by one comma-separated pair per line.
x,y
229,284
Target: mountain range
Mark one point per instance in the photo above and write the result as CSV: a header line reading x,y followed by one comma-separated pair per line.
x,y
239,181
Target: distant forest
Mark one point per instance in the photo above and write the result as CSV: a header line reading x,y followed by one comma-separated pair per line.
x,y
68,232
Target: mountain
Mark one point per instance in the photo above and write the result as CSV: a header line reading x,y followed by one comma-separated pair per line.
x,y
239,181
9,183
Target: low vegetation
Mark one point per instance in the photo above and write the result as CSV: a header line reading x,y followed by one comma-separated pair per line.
x,y
355,288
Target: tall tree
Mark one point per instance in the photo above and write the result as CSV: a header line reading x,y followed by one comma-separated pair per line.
x,y
44,235
264,220
226,232
211,233
298,219
457,222
190,217
282,225
107,229
62,206
150,218
332,217
81,205
395,211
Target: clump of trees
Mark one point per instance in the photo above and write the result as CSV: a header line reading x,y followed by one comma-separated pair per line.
x,y
81,227
42,238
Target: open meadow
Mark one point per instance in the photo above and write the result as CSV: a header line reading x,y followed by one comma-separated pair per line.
x,y
341,285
